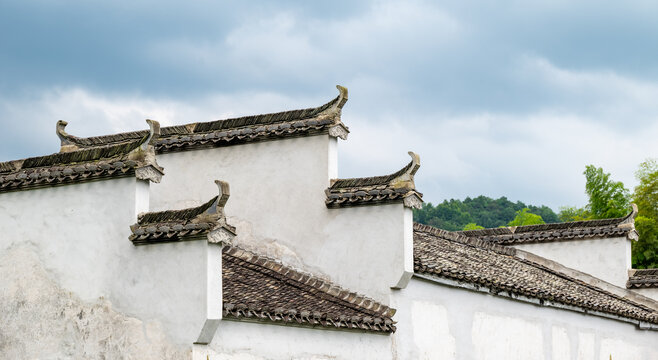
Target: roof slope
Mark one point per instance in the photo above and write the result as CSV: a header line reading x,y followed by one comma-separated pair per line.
x,y
603,228
643,278
452,256
231,131
258,288
114,160
398,186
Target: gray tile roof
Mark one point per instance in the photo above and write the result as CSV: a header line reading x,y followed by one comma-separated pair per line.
x,y
303,122
643,278
396,187
449,255
259,288
115,160
185,224
603,228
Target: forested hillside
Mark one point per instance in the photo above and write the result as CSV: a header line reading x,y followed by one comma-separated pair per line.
x,y
483,211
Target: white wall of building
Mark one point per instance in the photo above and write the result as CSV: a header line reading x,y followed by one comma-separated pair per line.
x,y
453,323
260,341
278,206
651,293
608,259
79,235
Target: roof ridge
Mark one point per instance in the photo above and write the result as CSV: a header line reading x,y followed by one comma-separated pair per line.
x,y
199,129
173,225
395,187
136,157
152,217
326,287
454,236
409,170
553,226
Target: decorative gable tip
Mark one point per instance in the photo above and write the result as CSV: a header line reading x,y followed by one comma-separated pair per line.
x,y
148,168
207,220
66,145
375,190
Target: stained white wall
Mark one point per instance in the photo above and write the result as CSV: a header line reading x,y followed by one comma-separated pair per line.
x,y
80,233
258,341
439,321
608,259
278,206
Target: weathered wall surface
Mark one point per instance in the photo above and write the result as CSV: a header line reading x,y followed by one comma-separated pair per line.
x,y
77,237
259,341
42,320
608,259
450,323
277,204
650,293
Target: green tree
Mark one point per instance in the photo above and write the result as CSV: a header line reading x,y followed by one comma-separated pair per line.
x,y
607,198
472,226
645,196
525,217
572,213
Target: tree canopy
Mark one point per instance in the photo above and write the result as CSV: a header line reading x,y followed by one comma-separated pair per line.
x,y
607,198
525,217
645,250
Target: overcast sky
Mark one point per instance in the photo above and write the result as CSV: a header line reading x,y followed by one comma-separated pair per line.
x,y
500,98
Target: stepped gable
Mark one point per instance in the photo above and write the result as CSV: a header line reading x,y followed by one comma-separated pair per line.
x,y
304,122
186,224
604,228
643,278
259,288
133,158
395,187
442,254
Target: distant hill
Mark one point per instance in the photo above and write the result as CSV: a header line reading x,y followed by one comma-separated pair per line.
x,y
454,214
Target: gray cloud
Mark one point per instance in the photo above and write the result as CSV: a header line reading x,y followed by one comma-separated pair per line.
x,y
500,98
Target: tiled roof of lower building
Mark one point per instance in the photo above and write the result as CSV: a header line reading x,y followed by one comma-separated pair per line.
x,y
136,157
603,228
303,122
259,288
396,187
643,278
452,256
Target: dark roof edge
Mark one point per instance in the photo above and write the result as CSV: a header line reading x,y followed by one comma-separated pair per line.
x,y
642,279
401,178
134,158
627,221
332,109
186,224
377,190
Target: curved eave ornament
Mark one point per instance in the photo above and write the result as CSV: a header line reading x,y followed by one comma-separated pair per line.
x,y
338,129
399,186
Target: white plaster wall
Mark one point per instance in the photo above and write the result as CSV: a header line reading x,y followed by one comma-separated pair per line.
x,y
277,204
608,259
259,341
651,293
482,326
79,234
